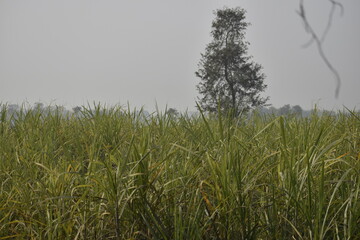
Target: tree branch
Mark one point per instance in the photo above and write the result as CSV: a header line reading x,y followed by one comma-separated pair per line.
x,y
319,41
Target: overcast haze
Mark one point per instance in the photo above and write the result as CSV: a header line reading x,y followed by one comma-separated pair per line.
x,y
70,52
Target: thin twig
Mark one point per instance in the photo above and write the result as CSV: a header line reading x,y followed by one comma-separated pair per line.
x,y
319,41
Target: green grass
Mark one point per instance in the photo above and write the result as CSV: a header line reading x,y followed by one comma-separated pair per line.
x,y
112,174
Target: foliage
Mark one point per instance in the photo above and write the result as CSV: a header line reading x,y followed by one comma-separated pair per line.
x,y
229,77
172,112
115,174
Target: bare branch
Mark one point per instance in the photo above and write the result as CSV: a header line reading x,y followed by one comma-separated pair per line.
x,y
334,4
319,41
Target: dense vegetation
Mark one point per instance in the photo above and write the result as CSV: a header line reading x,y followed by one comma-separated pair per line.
x,y
114,174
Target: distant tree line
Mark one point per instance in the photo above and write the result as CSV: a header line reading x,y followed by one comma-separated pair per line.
x,y
296,110
14,111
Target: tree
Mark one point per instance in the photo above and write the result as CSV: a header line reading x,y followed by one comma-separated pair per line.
x,y
38,106
172,112
297,110
285,110
230,80
76,109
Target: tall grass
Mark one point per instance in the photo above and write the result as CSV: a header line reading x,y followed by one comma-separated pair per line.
x,y
116,174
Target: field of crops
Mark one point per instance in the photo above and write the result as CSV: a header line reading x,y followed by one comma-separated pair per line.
x,y
114,174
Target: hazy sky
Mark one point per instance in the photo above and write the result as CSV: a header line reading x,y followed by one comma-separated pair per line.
x,y
70,52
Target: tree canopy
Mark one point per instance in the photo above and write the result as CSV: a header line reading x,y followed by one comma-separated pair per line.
x,y
229,79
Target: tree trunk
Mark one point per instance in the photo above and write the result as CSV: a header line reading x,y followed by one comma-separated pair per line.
x,y
232,90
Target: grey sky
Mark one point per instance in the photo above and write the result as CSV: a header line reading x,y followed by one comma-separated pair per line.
x,y
71,52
